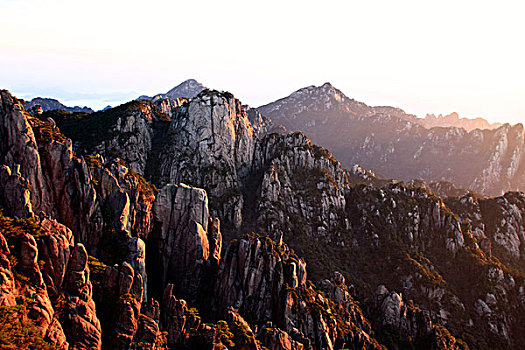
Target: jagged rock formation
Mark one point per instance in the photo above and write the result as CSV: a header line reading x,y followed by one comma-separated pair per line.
x,y
56,298
497,223
49,104
453,119
411,322
267,282
395,144
110,208
213,148
187,241
154,257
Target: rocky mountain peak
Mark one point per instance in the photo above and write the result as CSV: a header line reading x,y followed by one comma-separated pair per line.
x,y
49,104
324,92
189,88
317,100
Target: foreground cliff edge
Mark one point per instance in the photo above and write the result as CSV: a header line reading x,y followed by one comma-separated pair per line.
x,y
93,255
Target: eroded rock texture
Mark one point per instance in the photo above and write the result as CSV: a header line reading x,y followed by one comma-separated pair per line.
x,y
97,255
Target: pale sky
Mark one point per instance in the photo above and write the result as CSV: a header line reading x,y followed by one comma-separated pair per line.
x,y
421,56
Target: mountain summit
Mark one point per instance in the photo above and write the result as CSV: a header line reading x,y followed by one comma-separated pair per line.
x,y
189,88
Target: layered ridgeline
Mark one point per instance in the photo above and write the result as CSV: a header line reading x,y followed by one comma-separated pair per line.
x,y
399,145
454,120
111,247
41,104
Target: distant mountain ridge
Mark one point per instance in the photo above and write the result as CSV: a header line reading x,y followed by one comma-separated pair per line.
x,y
395,144
454,120
49,104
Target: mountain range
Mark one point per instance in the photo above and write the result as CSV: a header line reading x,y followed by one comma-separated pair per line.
x,y
49,104
470,153
197,222
392,143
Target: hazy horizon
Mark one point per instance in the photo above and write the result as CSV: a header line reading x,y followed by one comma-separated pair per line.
x,y
423,58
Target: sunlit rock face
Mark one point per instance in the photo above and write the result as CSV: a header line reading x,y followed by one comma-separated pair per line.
x,y
187,239
211,145
50,286
398,145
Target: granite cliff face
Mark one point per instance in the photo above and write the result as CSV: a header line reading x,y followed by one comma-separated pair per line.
x,y
395,144
135,234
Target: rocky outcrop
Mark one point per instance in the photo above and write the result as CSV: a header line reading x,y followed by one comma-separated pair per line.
x,y
264,278
187,240
71,196
132,137
428,223
496,223
78,315
215,143
406,322
27,293
126,197
432,248
65,188
66,275
41,161
302,183
211,146
504,221
14,193
412,322
55,250
7,286
50,281
243,336
277,339
18,148
177,318
123,293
